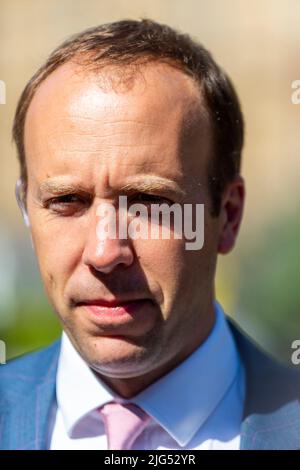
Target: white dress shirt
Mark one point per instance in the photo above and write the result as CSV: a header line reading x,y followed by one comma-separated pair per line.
x,y
197,405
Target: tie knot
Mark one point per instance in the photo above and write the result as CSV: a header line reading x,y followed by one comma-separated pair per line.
x,y
123,424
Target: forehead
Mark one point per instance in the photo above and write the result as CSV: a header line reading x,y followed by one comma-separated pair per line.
x,y
151,121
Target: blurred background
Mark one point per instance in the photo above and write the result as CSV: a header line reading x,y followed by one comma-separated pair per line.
x,y
258,44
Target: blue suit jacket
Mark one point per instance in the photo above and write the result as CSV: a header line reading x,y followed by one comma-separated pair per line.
x,y
271,415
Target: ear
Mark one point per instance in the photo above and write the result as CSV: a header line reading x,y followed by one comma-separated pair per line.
x,y
231,214
19,192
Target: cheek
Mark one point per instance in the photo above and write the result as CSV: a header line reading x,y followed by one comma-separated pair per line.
x,y
163,262
179,272
58,250
170,259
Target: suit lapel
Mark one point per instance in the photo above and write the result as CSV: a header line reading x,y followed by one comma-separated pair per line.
x,y
272,409
28,420
279,430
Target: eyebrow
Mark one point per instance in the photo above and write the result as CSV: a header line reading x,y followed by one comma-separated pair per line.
x,y
151,184
57,186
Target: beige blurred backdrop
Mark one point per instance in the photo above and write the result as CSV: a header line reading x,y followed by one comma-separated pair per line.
x,y
258,44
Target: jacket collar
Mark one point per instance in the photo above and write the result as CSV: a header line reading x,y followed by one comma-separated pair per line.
x,y
279,430
271,412
29,418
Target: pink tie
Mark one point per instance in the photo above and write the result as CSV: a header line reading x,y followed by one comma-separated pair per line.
x,y
123,424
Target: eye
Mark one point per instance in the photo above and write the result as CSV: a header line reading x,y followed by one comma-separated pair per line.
x,y
66,204
145,198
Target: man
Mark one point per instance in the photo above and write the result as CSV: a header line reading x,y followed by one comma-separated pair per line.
x,y
147,359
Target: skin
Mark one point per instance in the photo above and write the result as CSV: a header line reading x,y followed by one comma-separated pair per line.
x,y
92,136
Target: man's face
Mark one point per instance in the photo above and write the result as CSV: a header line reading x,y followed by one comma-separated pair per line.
x,y
85,141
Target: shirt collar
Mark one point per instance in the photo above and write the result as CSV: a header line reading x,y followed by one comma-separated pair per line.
x,y
181,401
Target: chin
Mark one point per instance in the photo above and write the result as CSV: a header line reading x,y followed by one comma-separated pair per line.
x,y
115,356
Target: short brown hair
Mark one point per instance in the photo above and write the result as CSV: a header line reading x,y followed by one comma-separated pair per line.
x,y
129,42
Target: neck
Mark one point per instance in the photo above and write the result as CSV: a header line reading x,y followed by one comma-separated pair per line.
x,y
129,387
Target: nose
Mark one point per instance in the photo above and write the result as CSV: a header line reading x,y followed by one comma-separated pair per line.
x,y
104,253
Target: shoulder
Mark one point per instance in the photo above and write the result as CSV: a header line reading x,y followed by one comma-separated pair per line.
x,y
23,373
269,383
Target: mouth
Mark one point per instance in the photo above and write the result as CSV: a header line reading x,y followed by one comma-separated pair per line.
x,y
118,317
113,308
